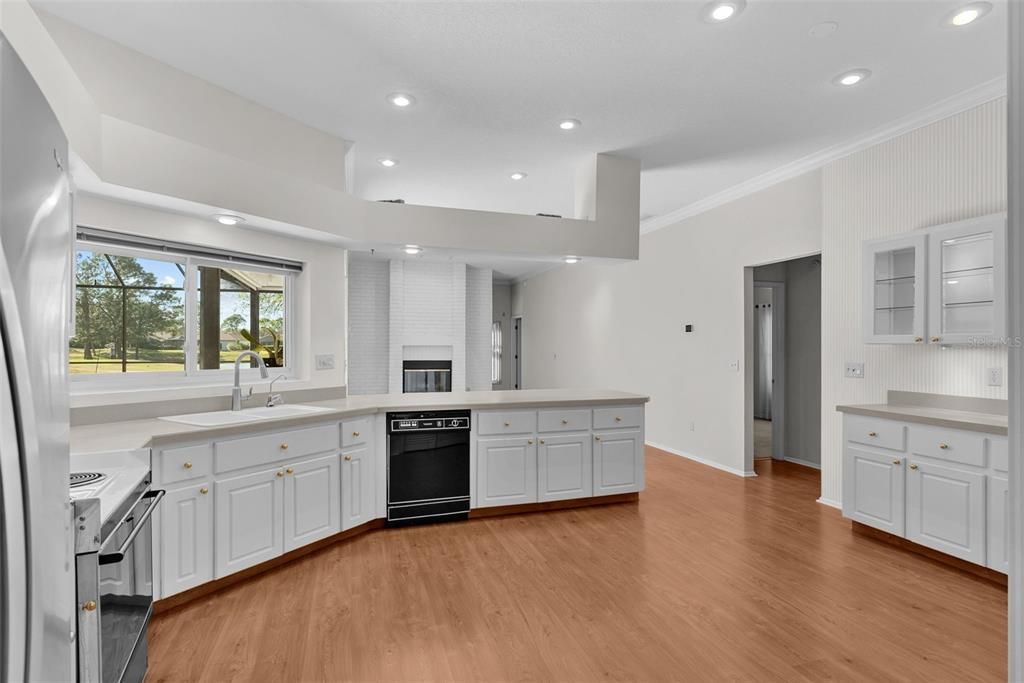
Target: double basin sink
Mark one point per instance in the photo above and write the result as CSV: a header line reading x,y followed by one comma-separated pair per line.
x,y
220,418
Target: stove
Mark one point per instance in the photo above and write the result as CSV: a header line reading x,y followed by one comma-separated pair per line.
x,y
82,478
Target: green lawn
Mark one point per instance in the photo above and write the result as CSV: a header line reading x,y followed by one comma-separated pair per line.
x,y
149,360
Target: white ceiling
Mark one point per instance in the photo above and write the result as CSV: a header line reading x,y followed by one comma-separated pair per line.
x,y
705,107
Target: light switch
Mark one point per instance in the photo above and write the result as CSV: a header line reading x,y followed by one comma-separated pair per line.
x,y
325,361
854,370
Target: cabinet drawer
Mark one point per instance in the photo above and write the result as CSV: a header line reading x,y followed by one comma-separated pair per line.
x,y
875,432
1000,453
188,462
967,448
356,431
267,448
506,422
613,418
563,420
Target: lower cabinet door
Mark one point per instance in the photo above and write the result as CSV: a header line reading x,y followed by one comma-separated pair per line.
x,y
506,472
248,520
998,554
618,462
357,486
312,501
946,510
565,467
873,491
186,533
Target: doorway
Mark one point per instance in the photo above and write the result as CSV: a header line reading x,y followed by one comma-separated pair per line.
x,y
517,352
783,369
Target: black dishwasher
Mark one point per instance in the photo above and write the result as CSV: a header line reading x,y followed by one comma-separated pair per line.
x,y
428,467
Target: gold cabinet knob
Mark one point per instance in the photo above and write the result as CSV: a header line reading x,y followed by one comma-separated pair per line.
x,y
913,467
918,339
280,473
187,466
542,442
348,457
597,438
896,462
355,434
618,419
89,606
290,471
284,447
564,421
943,446
872,433
529,442
935,339
204,490
508,424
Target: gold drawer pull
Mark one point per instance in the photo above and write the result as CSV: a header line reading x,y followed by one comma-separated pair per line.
x,y
348,457
618,419
89,606
943,446
508,424
280,473
187,466
872,433
597,438
529,442
284,447
918,339
355,435
290,471
896,462
913,467
935,339
542,442
564,421
204,490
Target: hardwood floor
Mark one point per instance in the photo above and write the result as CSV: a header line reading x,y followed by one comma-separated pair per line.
x,y
708,577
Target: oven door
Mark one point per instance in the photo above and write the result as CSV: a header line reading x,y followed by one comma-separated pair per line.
x,y
125,577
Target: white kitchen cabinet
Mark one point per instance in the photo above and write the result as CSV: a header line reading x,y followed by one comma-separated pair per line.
x,y
946,510
873,491
894,290
186,515
249,520
618,462
967,281
506,471
358,485
312,501
998,552
565,467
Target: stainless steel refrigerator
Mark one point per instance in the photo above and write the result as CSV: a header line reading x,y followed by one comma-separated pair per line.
x,y
37,604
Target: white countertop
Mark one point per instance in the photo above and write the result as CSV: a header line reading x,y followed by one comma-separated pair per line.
x,y
988,423
112,436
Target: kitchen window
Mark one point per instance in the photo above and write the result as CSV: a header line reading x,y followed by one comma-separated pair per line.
x,y
172,312
496,353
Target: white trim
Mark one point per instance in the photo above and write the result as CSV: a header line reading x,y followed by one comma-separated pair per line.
x,y
831,503
805,463
980,94
702,461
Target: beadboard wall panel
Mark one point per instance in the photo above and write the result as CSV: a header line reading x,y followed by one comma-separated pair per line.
x,y
947,171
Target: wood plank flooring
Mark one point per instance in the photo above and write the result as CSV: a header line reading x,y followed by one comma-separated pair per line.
x,y
708,577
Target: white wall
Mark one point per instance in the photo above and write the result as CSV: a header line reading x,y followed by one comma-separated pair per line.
x,y
501,312
947,171
319,329
478,328
368,296
620,325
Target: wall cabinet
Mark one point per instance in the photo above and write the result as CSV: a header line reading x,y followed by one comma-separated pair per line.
x,y
186,515
506,471
942,285
940,489
565,467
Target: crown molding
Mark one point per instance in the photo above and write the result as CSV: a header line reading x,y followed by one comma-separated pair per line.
x,y
968,99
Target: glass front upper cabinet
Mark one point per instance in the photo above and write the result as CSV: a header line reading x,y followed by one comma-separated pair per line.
x,y
894,290
967,281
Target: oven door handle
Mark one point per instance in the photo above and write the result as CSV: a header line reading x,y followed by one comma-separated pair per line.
x,y
113,558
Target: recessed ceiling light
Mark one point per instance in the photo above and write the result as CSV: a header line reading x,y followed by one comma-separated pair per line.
x,y
572,259
851,77
412,249
569,124
517,176
969,14
401,99
387,163
723,10
229,219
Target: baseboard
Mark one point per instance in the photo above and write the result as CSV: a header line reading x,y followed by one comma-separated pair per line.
x,y
702,461
805,463
831,503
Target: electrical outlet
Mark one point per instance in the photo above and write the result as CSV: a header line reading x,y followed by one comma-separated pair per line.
x,y
734,365
994,377
325,361
854,370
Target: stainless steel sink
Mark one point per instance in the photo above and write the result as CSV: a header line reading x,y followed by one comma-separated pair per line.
x,y
221,418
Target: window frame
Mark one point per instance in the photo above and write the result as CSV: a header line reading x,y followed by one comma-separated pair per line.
x,y
191,374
